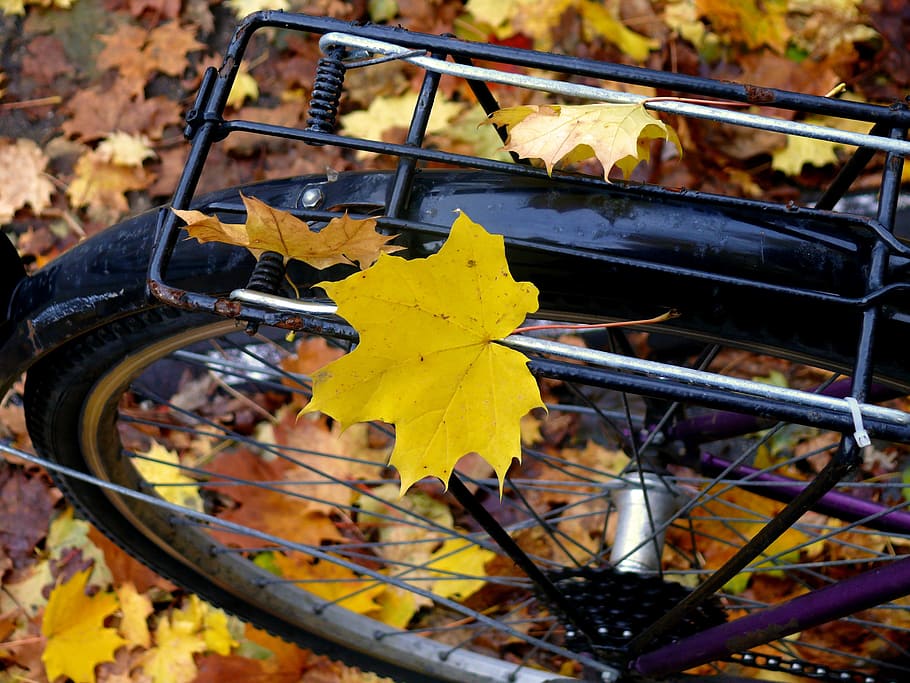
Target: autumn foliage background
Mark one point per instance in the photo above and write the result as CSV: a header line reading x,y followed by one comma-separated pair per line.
x,y
91,98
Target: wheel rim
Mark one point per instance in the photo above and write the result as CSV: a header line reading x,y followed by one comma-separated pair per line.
x,y
578,481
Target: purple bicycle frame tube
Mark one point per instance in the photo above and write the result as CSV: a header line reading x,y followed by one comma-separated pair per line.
x,y
834,601
841,506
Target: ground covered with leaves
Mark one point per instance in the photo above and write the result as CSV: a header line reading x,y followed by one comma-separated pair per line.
x,y
92,94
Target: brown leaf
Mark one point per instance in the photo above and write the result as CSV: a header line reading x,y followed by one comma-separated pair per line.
x,y
344,240
45,60
25,512
126,569
22,179
138,54
98,111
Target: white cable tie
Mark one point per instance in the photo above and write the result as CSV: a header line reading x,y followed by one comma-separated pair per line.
x,y
861,435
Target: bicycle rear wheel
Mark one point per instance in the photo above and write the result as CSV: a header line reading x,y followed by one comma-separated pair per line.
x,y
414,588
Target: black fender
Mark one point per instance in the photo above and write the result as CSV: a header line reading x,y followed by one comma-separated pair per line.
x,y
592,250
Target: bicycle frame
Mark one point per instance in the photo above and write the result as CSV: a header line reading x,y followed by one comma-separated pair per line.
x,y
34,323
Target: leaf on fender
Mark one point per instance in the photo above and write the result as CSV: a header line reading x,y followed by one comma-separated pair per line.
x,y
344,240
616,134
77,640
427,360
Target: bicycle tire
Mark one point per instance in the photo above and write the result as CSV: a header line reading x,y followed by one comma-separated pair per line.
x,y
71,398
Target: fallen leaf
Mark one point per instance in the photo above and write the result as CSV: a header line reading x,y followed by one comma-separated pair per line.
x,y
125,149
25,511
68,534
244,88
77,640
344,240
135,609
97,111
428,362
171,660
799,151
751,22
331,581
458,558
22,178
168,479
243,8
616,134
387,112
138,54
210,622
102,186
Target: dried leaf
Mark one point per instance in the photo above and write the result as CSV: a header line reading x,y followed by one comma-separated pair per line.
x,y
137,54
800,151
22,178
385,113
124,149
616,134
166,476
77,640
344,240
135,609
458,558
25,510
102,186
428,362
171,660
331,581
244,88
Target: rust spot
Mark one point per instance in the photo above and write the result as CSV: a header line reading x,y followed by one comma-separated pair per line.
x,y
758,95
290,322
168,295
228,308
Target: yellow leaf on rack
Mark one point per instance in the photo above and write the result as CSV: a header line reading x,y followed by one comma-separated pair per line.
x,y
616,134
344,240
427,359
77,640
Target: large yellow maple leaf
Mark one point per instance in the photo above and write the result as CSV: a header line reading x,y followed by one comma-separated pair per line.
x,y
77,640
427,360
616,134
343,240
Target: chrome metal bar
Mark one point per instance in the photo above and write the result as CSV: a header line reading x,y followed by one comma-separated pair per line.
x,y
700,378
738,118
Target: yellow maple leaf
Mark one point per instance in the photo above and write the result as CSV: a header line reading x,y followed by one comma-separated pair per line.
x,y
344,240
77,640
332,582
169,480
135,608
244,88
799,150
171,660
98,183
616,134
458,558
198,616
427,360
387,112
124,149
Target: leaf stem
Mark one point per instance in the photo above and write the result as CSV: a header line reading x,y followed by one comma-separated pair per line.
x,y
669,315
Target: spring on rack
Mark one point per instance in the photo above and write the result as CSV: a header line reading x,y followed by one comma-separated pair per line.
x,y
326,94
266,276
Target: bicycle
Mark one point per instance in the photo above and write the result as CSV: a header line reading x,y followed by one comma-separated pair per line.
x,y
113,331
